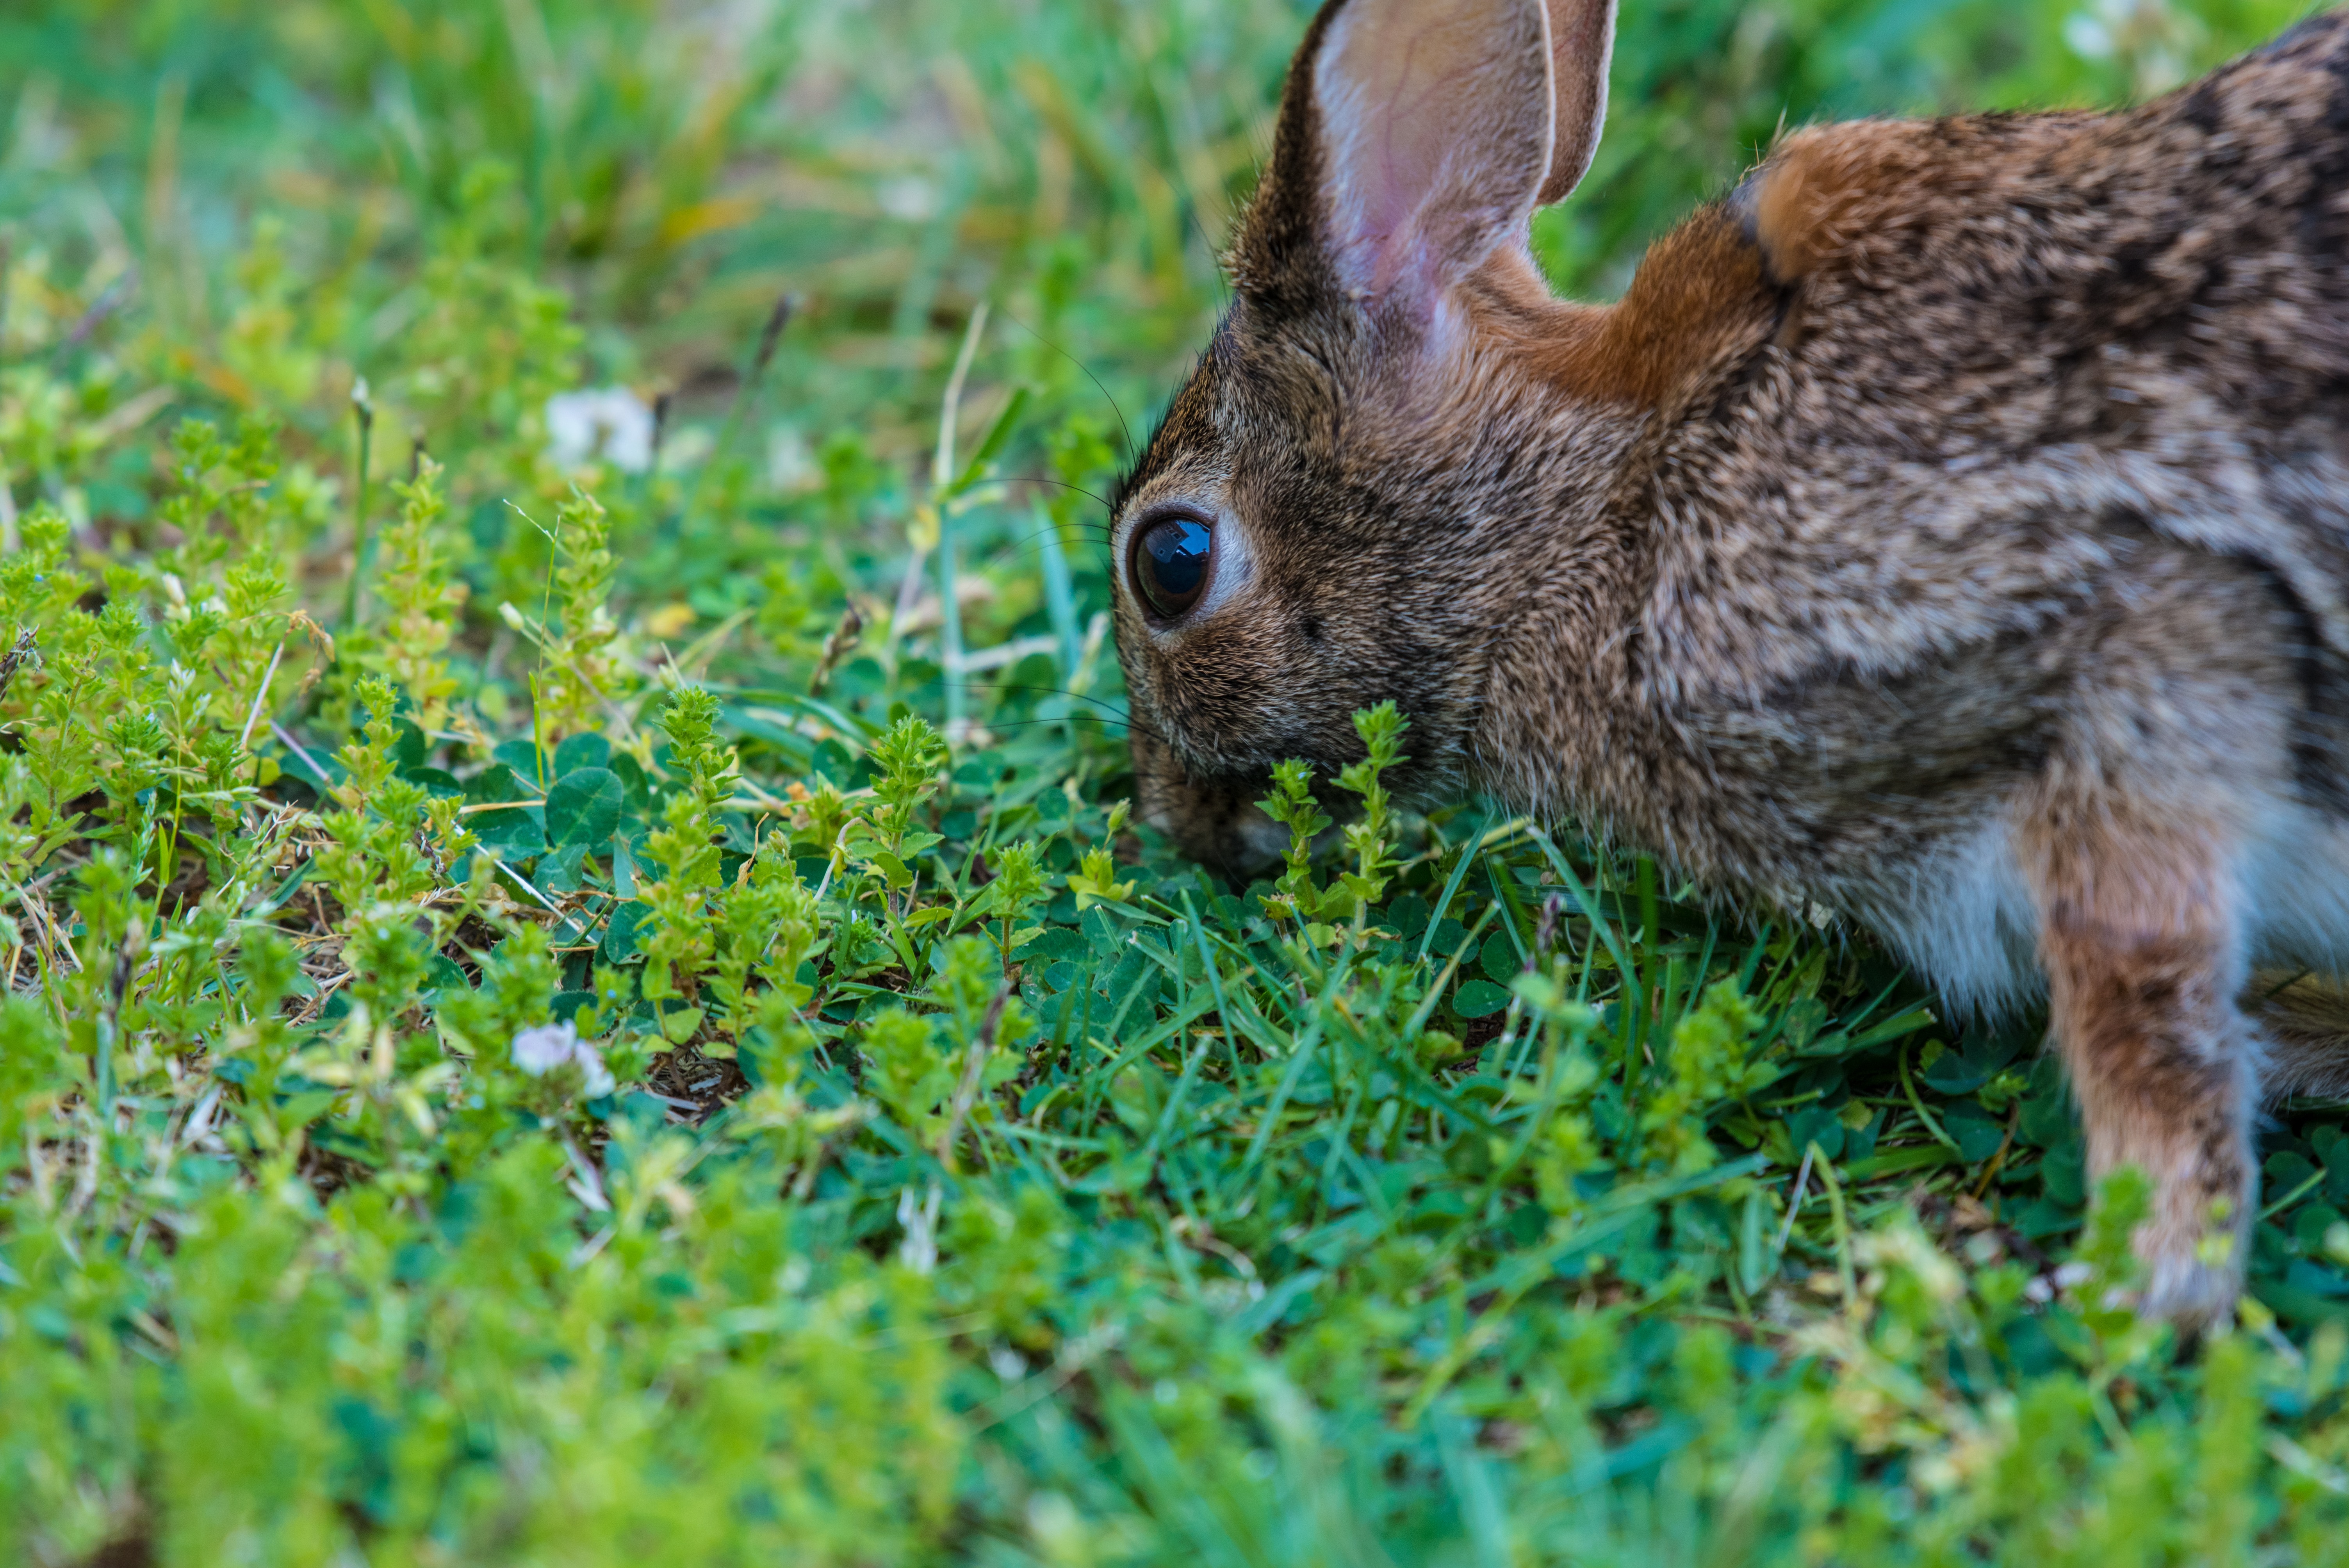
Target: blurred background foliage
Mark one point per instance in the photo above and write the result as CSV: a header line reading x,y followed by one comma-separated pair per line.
x,y
233,205
270,176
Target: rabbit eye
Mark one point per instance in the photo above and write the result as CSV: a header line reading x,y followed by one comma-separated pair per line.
x,y
1170,563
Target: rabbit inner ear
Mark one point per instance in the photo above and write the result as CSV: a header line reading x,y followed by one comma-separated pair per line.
x,y
1581,42
1434,119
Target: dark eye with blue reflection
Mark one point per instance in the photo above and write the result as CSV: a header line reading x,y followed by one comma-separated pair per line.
x,y
1170,563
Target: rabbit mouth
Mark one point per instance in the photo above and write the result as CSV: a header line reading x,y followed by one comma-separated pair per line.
x,y
1240,839
1218,825
1212,817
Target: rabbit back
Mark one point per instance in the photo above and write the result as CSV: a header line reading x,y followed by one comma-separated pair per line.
x,y
2010,342
2031,376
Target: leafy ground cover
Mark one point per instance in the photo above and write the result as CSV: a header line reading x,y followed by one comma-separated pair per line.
x,y
581,988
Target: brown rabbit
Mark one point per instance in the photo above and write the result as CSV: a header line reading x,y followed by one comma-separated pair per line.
x,y
1951,526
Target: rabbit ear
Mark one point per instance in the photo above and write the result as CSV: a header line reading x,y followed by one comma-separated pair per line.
x,y
1581,42
1435,132
1416,137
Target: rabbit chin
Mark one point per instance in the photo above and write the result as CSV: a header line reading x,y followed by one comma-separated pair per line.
x,y
1962,917
1218,829
1214,820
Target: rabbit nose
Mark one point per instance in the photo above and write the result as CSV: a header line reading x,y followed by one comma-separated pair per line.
x,y
1216,821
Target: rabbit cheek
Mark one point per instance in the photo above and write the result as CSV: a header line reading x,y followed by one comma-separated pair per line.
x,y
1213,694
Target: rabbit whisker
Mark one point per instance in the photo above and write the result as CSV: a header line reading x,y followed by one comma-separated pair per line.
x,y
1125,430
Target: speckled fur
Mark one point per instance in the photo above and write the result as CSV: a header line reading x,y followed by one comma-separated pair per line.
x,y
1952,527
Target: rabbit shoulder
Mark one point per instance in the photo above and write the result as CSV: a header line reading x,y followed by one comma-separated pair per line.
x,y
2015,349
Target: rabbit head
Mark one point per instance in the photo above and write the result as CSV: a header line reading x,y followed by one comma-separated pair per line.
x,y
1326,516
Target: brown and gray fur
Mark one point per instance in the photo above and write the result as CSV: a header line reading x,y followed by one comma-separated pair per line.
x,y
1951,526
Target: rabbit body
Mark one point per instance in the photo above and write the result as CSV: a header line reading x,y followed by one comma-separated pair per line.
x,y
1951,527
2034,505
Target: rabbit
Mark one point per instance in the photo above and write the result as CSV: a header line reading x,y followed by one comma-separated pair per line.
x,y
1949,526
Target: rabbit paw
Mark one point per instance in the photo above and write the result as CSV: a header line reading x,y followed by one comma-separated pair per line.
x,y
2193,1286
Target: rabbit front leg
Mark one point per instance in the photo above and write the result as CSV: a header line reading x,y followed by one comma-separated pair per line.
x,y
2143,950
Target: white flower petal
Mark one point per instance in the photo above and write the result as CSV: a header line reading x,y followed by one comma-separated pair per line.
x,y
541,1050
611,422
599,1079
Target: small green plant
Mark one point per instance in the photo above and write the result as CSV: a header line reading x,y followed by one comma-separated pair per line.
x,y
421,602
1019,883
686,849
1096,881
1371,836
575,681
1292,805
906,760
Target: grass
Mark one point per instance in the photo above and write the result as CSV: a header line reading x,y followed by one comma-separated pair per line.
x,y
570,1007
